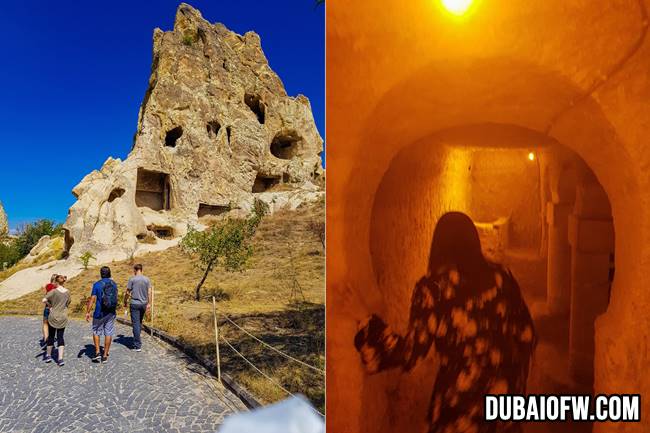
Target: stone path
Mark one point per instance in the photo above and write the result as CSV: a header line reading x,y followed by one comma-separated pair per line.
x,y
156,390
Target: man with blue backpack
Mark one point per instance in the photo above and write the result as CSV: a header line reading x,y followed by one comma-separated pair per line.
x,y
104,298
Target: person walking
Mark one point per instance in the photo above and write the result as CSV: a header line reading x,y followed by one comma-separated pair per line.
x,y
474,313
46,311
103,299
138,290
57,301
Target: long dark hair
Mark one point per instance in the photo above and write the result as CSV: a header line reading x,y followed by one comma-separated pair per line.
x,y
456,243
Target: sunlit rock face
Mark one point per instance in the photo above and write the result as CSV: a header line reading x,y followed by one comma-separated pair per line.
x,y
216,129
4,224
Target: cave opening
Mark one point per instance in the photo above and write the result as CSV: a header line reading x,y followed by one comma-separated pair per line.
x,y
213,128
153,190
161,232
116,193
264,183
211,210
172,136
286,145
68,241
254,102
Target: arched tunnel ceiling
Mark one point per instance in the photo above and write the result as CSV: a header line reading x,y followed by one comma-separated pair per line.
x,y
448,94
580,40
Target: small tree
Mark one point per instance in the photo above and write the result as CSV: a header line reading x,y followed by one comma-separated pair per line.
x,y
86,258
225,245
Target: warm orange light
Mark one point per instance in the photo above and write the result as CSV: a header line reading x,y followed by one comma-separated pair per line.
x,y
457,7
531,156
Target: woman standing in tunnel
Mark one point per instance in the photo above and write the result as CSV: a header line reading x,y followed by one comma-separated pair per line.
x,y
474,312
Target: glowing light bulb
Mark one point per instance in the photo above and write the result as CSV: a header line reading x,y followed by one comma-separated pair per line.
x,y
531,156
457,7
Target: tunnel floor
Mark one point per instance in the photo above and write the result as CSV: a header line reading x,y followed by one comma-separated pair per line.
x,y
549,373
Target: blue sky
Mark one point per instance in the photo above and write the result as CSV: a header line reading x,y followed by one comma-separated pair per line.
x,y
74,74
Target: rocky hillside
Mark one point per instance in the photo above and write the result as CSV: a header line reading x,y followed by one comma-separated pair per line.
x,y
216,130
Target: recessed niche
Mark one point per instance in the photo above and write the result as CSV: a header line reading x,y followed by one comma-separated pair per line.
x,y
172,136
207,210
117,192
213,128
153,190
256,105
162,232
264,183
286,145
68,241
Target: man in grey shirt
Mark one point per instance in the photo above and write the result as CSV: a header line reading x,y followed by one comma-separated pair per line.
x,y
138,289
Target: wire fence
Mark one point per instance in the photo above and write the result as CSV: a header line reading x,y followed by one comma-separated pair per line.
x,y
220,338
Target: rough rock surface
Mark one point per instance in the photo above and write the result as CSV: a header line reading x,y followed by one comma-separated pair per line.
x,y
215,130
4,224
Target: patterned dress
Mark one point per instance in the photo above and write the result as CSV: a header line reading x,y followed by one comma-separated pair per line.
x,y
484,338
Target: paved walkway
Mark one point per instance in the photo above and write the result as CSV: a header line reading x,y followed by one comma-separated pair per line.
x,y
156,390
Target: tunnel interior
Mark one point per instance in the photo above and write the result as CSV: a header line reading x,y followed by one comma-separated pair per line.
x,y
153,190
539,210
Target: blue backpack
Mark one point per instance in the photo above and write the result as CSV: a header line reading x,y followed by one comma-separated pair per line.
x,y
109,297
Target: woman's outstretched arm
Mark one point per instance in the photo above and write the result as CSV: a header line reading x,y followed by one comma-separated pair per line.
x,y
381,348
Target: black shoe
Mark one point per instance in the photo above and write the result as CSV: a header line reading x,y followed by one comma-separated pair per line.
x,y
61,363
97,358
104,359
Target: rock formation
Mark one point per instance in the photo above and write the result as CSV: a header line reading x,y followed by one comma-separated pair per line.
x,y
4,224
216,130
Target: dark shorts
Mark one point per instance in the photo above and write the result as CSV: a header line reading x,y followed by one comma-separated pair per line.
x,y
46,313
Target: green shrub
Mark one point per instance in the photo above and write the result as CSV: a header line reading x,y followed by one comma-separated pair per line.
x,y
86,258
29,234
188,40
9,254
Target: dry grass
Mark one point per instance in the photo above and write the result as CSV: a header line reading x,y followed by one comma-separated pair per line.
x,y
53,253
267,299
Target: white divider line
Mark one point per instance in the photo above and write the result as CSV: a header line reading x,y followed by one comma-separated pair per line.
x,y
270,379
271,347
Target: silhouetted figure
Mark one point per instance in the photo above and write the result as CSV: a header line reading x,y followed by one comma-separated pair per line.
x,y
474,313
